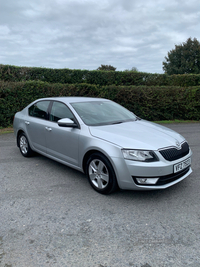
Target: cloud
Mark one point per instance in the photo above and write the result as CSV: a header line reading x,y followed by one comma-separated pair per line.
x,y
83,34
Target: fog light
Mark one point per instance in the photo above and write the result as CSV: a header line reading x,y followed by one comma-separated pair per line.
x,y
141,180
147,180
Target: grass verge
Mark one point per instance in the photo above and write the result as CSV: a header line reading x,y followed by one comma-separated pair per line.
x,y
176,121
6,130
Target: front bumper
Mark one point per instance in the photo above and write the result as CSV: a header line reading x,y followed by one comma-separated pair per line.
x,y
127,171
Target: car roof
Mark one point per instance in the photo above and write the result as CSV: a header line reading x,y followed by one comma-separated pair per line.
x,y
72,99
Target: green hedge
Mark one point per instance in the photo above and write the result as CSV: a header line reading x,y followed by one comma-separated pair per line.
x,y
101,78
148,102
158,103
15,96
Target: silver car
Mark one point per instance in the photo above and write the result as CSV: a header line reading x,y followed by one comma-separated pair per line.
x,y
114,147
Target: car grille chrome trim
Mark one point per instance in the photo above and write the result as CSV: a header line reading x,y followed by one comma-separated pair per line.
x,y
174,153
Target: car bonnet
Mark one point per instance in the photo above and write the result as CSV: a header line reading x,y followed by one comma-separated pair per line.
x,y
137,135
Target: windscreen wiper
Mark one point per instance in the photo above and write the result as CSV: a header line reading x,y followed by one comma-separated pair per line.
x,y
117,122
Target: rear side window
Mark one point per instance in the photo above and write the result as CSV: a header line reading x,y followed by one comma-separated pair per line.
x,y
60,111
39,110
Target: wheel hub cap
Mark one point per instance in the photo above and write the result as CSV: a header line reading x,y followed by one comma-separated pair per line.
x,y
23,145
98,173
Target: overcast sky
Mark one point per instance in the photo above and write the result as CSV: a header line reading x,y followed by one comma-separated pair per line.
x,y
83,34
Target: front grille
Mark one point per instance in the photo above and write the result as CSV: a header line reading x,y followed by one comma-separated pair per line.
x,y
171,154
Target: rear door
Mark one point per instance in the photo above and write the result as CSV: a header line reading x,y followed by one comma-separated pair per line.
x,y
36,125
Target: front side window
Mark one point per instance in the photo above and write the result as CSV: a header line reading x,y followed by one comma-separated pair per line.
x,y
39,109
60,111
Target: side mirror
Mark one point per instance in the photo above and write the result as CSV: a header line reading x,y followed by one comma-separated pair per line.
x,y
67,123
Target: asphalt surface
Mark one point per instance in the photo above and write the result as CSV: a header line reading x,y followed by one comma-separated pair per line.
x,y
50,216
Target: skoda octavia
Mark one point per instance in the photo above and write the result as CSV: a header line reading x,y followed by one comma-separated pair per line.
x,y
110,144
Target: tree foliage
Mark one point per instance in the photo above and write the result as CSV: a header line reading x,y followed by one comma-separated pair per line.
x,y
184,59
106,67
134,69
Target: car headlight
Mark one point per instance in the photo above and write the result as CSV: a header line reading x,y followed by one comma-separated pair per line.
x,y
139,155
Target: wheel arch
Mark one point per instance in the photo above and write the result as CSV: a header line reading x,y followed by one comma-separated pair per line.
x,y
89,153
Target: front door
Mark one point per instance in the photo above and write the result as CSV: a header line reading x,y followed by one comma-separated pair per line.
x,y
62,142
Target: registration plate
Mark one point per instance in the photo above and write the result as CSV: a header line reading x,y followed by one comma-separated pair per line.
x,y
182,165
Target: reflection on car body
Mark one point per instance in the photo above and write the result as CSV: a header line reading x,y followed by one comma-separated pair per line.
x,y
110,144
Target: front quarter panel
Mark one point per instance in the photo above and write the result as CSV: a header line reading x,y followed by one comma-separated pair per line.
x,y
89,144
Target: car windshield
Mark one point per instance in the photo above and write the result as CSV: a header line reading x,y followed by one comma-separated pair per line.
x,y
95,113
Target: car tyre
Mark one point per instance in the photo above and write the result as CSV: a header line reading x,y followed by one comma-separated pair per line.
x,y
24,146
101,174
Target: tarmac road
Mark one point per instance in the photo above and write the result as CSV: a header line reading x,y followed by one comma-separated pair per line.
x,y
50,216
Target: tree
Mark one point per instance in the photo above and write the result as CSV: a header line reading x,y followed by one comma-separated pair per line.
x,y
134,69
106,67
184,59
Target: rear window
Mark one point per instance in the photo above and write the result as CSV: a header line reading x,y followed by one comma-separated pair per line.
x,y
39,110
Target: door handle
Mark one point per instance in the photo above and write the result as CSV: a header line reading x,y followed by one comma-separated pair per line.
x,y
48,129
27,122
